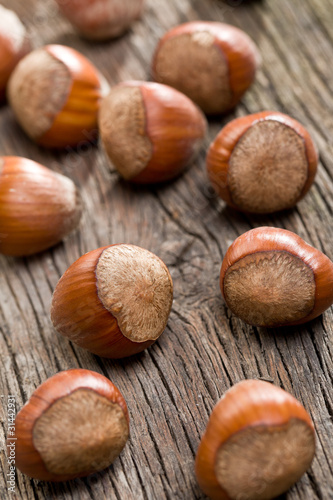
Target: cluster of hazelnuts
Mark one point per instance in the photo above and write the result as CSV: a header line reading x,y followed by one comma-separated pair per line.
x,y
270,277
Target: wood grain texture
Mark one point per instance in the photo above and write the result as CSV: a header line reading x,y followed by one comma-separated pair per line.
x,y
171,388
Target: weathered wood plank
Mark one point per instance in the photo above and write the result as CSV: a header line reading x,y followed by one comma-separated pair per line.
x,y
171,388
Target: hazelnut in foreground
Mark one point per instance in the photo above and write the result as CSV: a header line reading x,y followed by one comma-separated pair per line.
x,y
151,132
38,207
212,63
74,424
270,277
114,301
14,44
55,94
101,19
262,163
258,442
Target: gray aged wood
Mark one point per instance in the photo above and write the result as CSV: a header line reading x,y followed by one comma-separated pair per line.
x,y
171,388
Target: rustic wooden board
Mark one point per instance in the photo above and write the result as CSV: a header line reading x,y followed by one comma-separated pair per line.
x,y
171,388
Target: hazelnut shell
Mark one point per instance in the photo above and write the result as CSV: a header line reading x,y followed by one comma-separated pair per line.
x,y
114,301
63,384
247,406
212,63
38,207
55,94
265,242
151,132
14,44
266,187
101,19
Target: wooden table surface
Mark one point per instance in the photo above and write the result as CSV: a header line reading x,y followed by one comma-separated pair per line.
x,y
172,387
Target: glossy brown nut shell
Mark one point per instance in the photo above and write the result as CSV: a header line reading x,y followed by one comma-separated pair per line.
x,y
55,94
150,132
271,277
259,441
212,63
38,207
114,301
14,44
101,19
68,399
262,163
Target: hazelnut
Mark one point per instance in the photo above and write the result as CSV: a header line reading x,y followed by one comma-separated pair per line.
x,y
262,163
55,93
38,207
270,277
151,132
101,19
14,44
212,63
258,442
114,301
74,424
